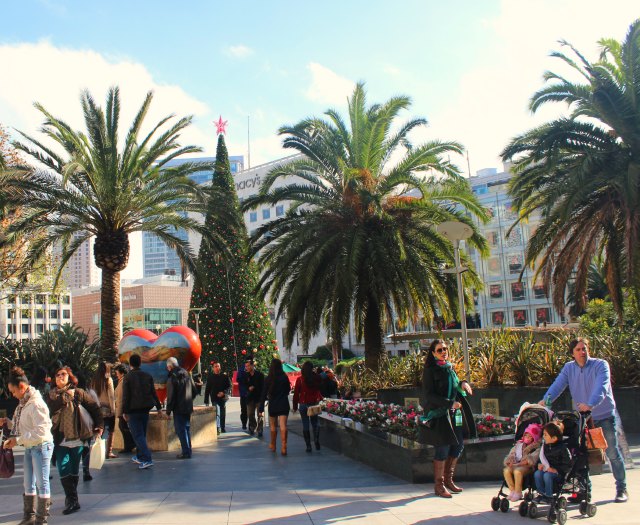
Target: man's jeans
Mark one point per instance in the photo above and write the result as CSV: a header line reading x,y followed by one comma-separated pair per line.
x,y
138,427
221,412
609,429
544,482
182,426
37,463
243,411
255,425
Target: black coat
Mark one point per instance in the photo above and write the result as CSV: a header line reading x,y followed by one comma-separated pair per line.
x,y
180,392
139,393
257,381
216,383
277,395
435,388
558,456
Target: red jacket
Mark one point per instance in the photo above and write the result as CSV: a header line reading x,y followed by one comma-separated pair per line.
x,y
306,395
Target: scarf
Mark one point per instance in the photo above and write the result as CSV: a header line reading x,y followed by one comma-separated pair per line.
x,y
63,419
15,431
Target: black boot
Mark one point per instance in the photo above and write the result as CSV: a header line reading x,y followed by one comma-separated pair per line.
x,y
29,506
316,436
307,439
70,486
42,511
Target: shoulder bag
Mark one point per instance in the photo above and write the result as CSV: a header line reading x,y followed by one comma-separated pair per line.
x,y
596,444
7,463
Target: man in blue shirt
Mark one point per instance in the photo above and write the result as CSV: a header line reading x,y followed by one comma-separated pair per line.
x,y
589,382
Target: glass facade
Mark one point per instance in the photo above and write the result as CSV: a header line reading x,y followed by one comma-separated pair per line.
x,y
153,319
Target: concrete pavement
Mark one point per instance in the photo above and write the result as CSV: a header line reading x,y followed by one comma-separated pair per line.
x,y
240,481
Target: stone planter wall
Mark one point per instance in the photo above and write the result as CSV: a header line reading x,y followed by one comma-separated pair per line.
x,y
407,459
510,399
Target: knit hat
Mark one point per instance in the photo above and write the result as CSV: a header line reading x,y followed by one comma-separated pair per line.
x,y
535,430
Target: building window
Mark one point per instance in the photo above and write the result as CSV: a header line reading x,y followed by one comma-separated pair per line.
x,y
25,314
66,314
39,329
25,328
39,314
519,317
539,291
10,314
516,263
543,315
280,210
66,299
266,213
53,314
40,298
253,216
495,293
517,291
494,267
497,318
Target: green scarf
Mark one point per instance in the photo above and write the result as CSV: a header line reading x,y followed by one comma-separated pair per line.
x,y
453,389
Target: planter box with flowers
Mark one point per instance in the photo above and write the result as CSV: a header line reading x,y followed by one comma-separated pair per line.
x,y
385,437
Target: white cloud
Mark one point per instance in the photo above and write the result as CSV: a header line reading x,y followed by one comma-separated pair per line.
x,y
327,87
239,51
490,104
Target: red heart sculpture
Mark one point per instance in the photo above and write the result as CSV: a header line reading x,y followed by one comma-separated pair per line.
x,y
178,341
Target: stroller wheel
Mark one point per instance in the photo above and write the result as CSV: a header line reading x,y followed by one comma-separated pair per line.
x,y
495,504
562,503
533,511
504,505
562,517
583,508
591,510
523,509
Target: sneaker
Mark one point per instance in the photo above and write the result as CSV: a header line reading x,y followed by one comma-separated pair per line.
x,y
621,496
516,496
183,456
145,464
136,460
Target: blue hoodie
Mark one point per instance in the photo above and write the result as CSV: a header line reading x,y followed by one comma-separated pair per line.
x,y
590,384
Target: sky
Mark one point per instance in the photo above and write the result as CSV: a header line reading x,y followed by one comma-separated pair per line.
x,y
469,66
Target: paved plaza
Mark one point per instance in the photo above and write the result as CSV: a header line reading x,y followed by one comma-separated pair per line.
x,y
239,481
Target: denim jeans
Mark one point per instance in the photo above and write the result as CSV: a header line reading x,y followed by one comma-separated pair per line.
x,y
37,463
610,431
305,418
221,412
442,452
243,411
138,427
182,426
544,482
68,460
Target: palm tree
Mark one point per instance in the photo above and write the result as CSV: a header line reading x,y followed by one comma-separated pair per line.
x,y
95,190
582,172
358,236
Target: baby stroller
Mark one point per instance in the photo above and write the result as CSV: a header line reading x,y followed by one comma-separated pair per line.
x,y
575,487
528,414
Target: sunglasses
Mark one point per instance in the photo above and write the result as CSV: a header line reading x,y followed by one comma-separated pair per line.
x,y
441,350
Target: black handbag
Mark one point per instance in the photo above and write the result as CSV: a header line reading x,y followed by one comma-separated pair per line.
x,y
7,462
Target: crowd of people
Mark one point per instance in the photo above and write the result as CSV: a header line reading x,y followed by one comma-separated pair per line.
x,y
58,424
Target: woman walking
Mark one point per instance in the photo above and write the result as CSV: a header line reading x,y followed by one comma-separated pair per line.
x,y
70,429
276,390
31,428
103,386
448,417
129,444
306,393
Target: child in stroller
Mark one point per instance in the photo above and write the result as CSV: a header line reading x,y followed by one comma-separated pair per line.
x,y
529,414
522,459
572,485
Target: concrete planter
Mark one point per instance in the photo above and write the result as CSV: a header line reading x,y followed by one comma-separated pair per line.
x,y
408,459
510,399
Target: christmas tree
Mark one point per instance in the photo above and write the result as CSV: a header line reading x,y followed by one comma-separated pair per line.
x,y
234,322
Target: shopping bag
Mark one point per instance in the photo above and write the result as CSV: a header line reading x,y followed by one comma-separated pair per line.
x,y
7,463
97,454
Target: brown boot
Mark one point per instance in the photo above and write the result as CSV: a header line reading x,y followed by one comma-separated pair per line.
x,y
438,479
283,440
109,446
272,445
449,469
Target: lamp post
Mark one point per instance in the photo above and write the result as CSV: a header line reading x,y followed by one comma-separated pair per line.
x,y
196,312
456,231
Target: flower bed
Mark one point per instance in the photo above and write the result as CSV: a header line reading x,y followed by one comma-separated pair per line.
x,y
405,421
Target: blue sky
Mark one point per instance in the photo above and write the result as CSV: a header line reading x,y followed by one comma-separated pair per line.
x,y
469,66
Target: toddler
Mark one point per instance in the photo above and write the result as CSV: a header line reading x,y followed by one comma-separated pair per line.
x,y
555,461
522,459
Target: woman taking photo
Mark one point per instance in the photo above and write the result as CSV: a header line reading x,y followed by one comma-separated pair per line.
x,y
70,430
276,391
448,418
306,392
31,428
103,386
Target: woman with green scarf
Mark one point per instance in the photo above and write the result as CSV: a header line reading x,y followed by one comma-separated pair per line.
x,y
448,418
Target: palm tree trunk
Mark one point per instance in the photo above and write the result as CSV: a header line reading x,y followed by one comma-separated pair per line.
x,y
373,345
110,306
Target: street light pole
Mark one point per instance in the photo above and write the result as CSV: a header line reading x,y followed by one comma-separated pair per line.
x,y
455,232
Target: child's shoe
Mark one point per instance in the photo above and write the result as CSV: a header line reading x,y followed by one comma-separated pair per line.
x,y
516,496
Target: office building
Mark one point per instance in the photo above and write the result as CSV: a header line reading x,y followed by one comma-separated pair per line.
x,y
27,314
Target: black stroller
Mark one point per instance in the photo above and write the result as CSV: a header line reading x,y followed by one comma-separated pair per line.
x,y
575,488
528,414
